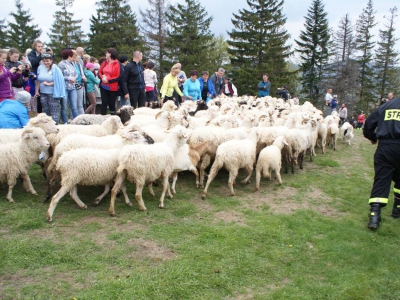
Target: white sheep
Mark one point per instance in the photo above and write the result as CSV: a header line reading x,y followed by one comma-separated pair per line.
x,y
89,119
143,164
347,132
270,159
332,135
19,156
234,155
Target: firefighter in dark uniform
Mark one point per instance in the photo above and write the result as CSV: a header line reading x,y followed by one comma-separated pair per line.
x,y
384,125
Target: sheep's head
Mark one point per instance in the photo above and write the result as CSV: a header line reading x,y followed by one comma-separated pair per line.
x,y
169,105
138,137
113,123
35,138
155,104
44,122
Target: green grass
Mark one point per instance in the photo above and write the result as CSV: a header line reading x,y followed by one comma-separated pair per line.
x,y
306,239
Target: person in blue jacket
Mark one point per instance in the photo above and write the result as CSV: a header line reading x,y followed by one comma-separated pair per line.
x,y
191,87
14,113
206,87
264,86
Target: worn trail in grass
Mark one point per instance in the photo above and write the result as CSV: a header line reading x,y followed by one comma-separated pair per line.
x,y
306,239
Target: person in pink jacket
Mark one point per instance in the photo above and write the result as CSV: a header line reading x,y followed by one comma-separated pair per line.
x,y
6,76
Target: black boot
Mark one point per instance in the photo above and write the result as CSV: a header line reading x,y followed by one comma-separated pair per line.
x,y
374,216
396,207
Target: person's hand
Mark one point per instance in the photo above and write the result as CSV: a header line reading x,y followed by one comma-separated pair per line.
x,y
373,142
127,96
190,97
21,68
46,83
183,98
13,70
36,94
84,78
72,80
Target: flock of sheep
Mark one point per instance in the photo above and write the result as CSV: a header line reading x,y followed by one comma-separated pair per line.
x,y
145,144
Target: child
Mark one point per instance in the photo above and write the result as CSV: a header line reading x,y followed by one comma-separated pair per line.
x,y
6,76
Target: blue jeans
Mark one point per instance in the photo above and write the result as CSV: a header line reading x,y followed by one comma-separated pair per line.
x,y
73,101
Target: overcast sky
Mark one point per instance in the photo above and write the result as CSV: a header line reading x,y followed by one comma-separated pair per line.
x,y
295,10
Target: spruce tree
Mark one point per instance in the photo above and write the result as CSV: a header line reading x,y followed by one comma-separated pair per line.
x,y
3,34
114,26
154,28
21,33
313,45
257,45
387,58
189,36
365,45
65,31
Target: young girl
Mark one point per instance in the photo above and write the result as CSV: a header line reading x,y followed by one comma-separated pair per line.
x,y
90,86
7,76
150,79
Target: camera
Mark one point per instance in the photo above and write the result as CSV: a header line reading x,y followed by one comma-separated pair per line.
x,y
31,76
48,49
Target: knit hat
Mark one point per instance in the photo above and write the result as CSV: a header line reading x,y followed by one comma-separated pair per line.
x,y
23,97
89,66
96,66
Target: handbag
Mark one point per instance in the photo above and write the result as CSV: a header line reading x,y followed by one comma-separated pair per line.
x,y
78,86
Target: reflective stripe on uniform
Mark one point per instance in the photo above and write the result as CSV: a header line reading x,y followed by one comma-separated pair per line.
x,y
378,200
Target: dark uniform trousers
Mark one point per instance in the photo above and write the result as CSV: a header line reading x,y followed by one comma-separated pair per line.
x,y
387,168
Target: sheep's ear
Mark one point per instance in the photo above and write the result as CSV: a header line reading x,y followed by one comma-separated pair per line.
x,y
262,117
158,114
34,121
207,123
25,134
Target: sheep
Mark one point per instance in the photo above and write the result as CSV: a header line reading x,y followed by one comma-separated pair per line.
x,y
270,159
42,121
347,132
19,156
167,106
234,155
89,119
201,105
332,134
322,130
143,164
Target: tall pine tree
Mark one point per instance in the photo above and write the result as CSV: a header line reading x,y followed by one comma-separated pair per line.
x,y
154,28
65,31
365,45
114,26
257,45
387,58
189,35
313,49
3,34
21,33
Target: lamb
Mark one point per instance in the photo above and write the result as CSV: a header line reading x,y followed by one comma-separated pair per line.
x,y
234,155
143,164
270,159
42,121
89,119
347,132
332,134
19,156
167,106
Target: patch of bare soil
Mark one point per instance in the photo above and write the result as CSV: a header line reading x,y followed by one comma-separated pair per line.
x,y
287,201
229,217
250,293
150,249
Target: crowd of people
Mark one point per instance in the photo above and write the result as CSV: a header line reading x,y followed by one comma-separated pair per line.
x,y
77,83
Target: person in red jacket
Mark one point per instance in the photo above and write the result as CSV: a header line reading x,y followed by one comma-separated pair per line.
x,y
360,120
109,74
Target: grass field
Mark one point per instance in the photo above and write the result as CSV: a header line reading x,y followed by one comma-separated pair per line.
x,y
306,239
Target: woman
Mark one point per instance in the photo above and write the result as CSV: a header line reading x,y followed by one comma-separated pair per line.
x,y
90,86
229,89
206,87
191,87
13,61
343,113
70,76
50,85
109,74
80,82
150,79
7,76
170,83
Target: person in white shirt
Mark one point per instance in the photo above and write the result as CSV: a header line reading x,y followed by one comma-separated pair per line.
x,y
228,88
150,79
328,98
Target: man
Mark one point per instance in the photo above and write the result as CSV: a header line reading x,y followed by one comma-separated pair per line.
x,y
217,80
390,96
383,124
328,98
206,87
264,86
14,114
283,92
80,52
133,82
123,61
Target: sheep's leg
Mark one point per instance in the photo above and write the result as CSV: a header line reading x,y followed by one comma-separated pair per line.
x,y
258,177
205,162
174,179
249,170
74,195
150,187
323,142
278,175
196,173
232,176
165,184
54,201
117,185
169,191
107,188
214,171
10,190
27,184
301,158
125,193
138,195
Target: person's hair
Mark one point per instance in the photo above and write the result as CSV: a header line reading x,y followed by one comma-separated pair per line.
x,y
221,70
12,51
86,57
3,52
175,68
27,51
113,53
66,53
193,72
150,65
74,52
101,60
205,73
35,44
93,59
123,58
265,74
136,53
